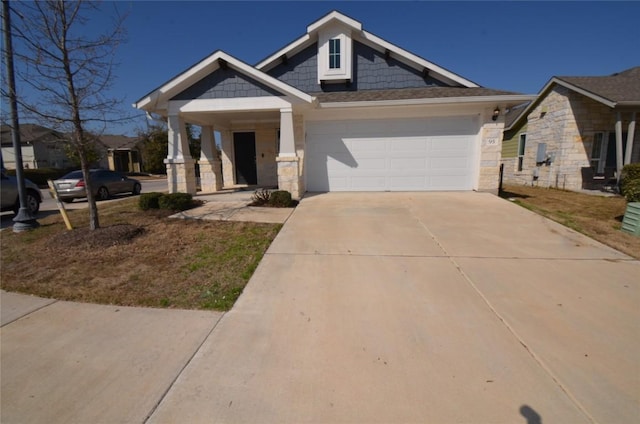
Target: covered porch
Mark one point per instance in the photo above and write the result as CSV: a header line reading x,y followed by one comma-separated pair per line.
x,y
261,145
258,118
611,150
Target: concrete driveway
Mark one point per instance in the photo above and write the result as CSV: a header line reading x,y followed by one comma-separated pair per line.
x,y
376,308
432,307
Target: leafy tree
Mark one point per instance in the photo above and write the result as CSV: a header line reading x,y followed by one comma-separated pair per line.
x,y
155,142
194,142
69,63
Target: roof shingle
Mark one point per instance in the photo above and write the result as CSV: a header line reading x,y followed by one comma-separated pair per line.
x,y
620,87
408,93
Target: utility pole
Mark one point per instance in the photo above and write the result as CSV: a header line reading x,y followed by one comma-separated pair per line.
x,y
24,220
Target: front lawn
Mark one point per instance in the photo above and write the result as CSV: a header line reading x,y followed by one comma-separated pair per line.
x,y
137,258
595,216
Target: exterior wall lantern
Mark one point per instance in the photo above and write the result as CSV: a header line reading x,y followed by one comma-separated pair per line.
x,y
496,112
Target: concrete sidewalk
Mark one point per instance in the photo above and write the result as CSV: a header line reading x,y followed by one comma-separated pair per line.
x,y
382,308
234,206
64,362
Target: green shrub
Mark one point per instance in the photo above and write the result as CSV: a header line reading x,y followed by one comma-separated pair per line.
x,y
176,201
280,199
148,201
630,182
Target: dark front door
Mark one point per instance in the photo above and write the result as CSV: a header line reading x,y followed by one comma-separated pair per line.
x,y
244,145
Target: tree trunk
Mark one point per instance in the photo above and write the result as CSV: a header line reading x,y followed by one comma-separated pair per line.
x,y
80,142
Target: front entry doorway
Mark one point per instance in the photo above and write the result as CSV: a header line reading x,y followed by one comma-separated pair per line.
x,y
244,146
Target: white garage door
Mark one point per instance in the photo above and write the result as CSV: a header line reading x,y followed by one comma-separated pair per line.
x,y
391,155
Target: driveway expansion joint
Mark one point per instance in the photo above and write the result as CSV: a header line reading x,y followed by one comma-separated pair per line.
x,y
186,364
509,328
54,301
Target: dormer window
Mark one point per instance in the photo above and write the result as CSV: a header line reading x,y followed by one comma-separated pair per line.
x,y
335,48
334,53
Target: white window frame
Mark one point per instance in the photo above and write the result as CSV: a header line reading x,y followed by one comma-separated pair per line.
x,y
343,36
522,145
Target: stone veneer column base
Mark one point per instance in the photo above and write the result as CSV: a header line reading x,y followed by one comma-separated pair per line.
x,y
181,175
210,176
289,175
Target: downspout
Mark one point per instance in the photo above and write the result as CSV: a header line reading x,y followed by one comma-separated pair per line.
x,y
630,135
618,145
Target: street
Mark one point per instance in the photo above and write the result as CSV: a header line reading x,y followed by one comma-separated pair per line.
x,y
49,206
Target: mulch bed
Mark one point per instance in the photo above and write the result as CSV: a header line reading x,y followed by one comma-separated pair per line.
x,y
84,238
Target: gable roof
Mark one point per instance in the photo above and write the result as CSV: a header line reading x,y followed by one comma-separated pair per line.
x,y
116,142
157,100
359,34
619,89
30,133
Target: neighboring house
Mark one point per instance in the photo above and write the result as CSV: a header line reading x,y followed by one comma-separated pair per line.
x,y
338,109
577,134
44,148
41,147
122,153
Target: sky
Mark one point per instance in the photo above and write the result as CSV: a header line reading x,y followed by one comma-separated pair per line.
x,y
514,46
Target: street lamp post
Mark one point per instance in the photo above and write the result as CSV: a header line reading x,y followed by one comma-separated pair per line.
x,y
24,220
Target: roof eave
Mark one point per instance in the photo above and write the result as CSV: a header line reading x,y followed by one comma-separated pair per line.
x,y
583,91
210,64
430,101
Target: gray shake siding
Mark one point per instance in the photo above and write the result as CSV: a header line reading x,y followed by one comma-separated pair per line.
x,y
371,71
226,84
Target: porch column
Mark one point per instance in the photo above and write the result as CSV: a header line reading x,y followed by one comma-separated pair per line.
x,y
618,145
210,165
181,172
630,135
288,161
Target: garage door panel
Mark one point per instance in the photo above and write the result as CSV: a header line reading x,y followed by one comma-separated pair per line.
x,y
366,183
411,144
381,155
408,164
444,163
366,145
407,183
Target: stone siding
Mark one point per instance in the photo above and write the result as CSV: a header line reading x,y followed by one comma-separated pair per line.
x,y
289,176
181,176
266,152
491,146
226,157
567,122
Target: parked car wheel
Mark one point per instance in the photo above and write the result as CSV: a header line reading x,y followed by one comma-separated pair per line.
x,y
103,193
32,203
67,200
137,188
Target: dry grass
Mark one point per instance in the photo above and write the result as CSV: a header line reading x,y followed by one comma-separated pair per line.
x,y
595,216
136,258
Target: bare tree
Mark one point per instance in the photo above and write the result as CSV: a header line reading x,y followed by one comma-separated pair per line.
x,y
70,66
